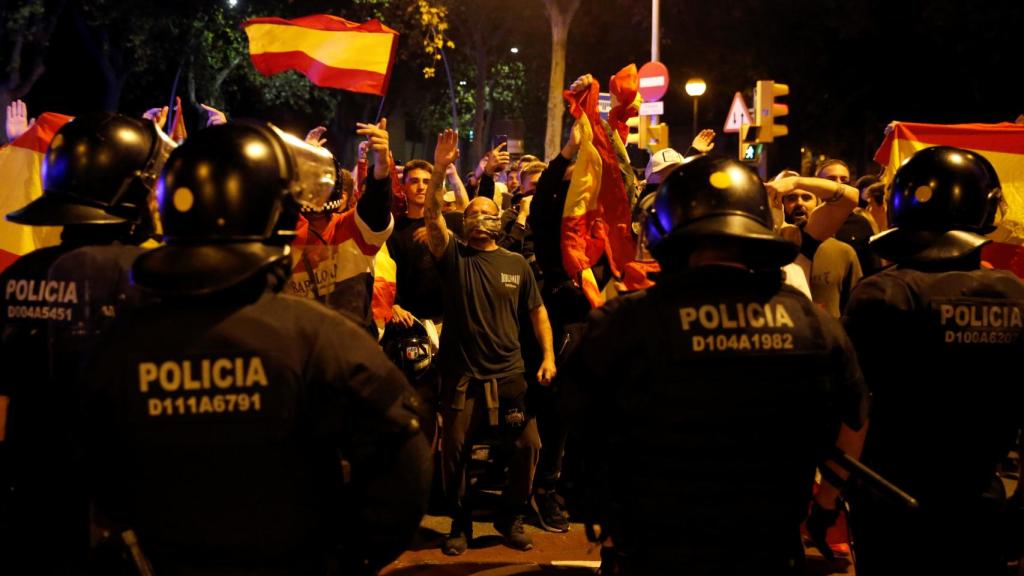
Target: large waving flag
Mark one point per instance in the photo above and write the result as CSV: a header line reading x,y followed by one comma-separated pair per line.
x,y
597,218
20,165
330,51
1002,144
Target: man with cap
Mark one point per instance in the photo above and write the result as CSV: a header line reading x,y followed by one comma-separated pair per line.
x,y
926,330
250,432
98,176
709,398
664,161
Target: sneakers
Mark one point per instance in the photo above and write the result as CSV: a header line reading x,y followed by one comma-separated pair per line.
x,y
549,512
458,539
514,532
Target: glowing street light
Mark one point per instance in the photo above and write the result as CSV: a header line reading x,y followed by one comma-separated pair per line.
x,y
232,3
514,50
695,87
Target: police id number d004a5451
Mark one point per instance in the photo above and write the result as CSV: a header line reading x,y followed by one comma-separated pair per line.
x,y
204,404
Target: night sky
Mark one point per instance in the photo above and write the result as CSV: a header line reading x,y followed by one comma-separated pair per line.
x,y
852,66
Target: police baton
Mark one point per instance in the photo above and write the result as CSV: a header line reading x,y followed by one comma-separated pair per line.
x,y
871,478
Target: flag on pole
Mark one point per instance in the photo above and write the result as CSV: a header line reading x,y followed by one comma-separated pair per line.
x,y
330,51
177,131
20,164
1002,144
597,217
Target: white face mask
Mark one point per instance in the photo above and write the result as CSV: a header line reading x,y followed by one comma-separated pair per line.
x,y
486,223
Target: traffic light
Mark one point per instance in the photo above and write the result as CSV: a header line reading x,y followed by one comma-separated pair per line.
x,y
767,110
640,136
657,137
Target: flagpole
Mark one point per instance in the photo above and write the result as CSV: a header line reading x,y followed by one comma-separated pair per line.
x,y
380,108
174,93
451,95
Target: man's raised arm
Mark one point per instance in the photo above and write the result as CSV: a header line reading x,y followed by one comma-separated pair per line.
x,y
446,152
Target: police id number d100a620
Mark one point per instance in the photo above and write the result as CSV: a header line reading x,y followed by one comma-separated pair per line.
x,y
203,404
742,342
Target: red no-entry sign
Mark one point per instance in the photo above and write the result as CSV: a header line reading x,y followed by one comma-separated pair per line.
x,y
653,78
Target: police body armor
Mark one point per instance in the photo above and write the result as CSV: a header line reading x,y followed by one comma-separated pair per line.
x,y
257,433
930,333
736,386
97,176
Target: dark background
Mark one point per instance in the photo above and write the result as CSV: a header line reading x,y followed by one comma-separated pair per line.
x,y
852,66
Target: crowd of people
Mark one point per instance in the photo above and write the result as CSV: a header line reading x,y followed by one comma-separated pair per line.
x,y
210,375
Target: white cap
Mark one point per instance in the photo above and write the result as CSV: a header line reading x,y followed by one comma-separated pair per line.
x,y
661,160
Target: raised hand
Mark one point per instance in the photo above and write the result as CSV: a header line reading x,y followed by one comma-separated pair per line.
x,y
17,120
214,117
703,143
157,115
497,159
315,136
377,137
581,83
447,149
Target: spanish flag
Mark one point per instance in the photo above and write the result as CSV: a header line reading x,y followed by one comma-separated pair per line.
x,y
20,164
597,217
1002,144
330,51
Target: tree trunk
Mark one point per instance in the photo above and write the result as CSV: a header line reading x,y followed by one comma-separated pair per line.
x,y
560,14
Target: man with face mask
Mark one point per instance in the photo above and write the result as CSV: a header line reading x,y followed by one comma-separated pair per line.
x,y
485,289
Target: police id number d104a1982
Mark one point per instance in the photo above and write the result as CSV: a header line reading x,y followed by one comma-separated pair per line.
x,y
737,327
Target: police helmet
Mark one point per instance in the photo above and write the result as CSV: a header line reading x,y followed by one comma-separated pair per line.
x,y
942,200
99,169
714,198
223,197
409,348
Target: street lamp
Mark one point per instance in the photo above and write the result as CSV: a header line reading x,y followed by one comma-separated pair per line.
x,y
695,87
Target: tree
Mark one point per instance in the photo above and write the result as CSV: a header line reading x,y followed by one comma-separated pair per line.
x,y
24,37
560,14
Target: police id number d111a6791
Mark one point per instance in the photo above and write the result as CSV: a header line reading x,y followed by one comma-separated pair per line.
x,y
204,404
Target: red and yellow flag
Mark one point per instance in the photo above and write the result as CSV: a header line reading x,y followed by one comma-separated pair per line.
x,y
1002,144
385,288
330,51
20,164
597,218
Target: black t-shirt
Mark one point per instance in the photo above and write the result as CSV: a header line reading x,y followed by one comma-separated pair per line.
x,y
218,425
484,294
938,352
417,281
708,400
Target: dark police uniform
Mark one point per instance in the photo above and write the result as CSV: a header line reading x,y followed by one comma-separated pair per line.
x,y
31,498
932,334
97,176
711,397
940,424
236,430
220,436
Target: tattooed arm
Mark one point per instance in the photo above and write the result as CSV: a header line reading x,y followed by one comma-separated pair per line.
x,y
446,152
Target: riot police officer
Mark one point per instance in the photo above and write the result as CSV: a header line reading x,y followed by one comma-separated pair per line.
x,y
97,175
237,430
926,331
709,397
